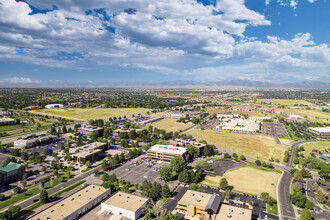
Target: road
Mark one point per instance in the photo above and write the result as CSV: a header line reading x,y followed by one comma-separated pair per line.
x,y
193,126
286,209
26,203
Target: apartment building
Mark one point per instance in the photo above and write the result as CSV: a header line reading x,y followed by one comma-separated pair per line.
x,y
165,152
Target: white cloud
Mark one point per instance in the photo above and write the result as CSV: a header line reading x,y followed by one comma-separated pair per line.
x,y
293,4
167,36
17,80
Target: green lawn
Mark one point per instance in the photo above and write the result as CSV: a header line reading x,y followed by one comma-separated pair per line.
x,y
272,209
91,113
169,125
309,147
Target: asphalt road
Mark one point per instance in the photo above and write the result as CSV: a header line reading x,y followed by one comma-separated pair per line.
x,y
28,202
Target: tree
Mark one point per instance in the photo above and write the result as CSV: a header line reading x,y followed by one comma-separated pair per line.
x,y
2,196
257,162
44,168
193,152
88,164
184,176
297,187
165,173
43,196
24,183
105,177
208,150
64,129
25,176
315,187
226,155
295,159
124,142
242,157
177,164
305,215
48,151
320,197
309,205
17,189
223,184
165,191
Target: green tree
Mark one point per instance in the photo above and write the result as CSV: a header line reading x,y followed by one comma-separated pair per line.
x,y
315,187
184,176
43,196
305,215
309,205
295,159
2,196
165,173
177,164
17,189
297,187
242,157
88,164
258,162
320,197
166,191
223,184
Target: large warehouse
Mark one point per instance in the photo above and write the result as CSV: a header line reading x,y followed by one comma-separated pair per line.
x,y
54,106
125,204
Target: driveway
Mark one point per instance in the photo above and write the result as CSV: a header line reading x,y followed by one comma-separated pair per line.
x,y
219,167
171,202
318,212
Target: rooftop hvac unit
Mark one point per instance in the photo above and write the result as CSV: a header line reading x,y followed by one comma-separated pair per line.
x,y
79,195
62,205
52,210
72,199
241,213
90,198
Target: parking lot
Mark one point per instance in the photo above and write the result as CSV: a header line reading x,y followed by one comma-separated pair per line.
x,y
274,129
3,157
220,166
138,173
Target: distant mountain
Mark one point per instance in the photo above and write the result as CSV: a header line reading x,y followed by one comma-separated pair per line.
x,y
177,84
245,83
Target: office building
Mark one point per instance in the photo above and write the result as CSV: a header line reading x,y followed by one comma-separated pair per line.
x,y
125,204
11,173
165,152
89,152
88,130
75,205
233,213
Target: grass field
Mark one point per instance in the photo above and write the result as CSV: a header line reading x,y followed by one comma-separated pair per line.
x,y
256,146
309,147
157,114
219,110
91,113
287,102
248,180
169,125
314,115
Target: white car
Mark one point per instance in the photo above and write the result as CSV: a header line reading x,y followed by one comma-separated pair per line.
x,y
145,177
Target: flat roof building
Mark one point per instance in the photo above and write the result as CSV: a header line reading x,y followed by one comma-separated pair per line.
x,y
233,213
199,203
50,106
227,115
75,205
320,130
174,115
165,152
8,121
11,173
29,141
125,204
91,152
88,130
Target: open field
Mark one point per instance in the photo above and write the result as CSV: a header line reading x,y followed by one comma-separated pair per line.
x,y
275,102
170,125
157,114
256,146
248,180
91,113
314,115
219,110
309,147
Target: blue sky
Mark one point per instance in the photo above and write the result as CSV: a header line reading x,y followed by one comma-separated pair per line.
x,y
135,41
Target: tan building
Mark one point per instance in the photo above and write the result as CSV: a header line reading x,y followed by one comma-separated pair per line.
x,y
233,213
125,204
75,205
165,152
91,152
29,141
174,115
127,131
7,121
199,203
88,130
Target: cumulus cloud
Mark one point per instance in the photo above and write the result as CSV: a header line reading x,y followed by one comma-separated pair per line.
x,y
167,36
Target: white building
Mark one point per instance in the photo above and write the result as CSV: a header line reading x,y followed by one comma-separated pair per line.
x,y
320,130
125,204
50,106
227,115
259,118
165,152
75,205
295,117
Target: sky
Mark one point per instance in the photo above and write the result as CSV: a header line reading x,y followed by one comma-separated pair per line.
x,y
138,41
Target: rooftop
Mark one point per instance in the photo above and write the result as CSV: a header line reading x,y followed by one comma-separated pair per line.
x,y
234,213
126,201
168,149
71,204
10,167
196,198
320,129
90,128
